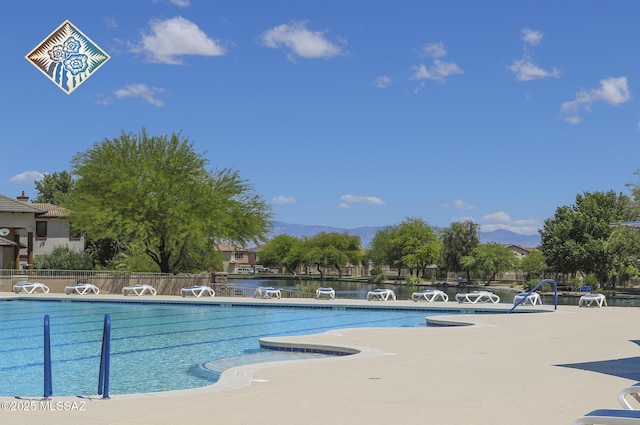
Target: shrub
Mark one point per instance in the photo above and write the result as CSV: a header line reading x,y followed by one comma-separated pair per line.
x,y
64,258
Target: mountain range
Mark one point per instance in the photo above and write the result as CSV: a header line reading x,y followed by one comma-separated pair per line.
x,y
366,234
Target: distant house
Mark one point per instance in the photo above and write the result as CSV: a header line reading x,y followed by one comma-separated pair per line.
x,y
53,229
235,258
28,230
518,250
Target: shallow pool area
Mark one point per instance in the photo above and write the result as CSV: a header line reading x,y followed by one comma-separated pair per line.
x,y
158,346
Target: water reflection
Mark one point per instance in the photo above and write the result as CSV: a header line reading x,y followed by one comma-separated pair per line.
x,y
358,290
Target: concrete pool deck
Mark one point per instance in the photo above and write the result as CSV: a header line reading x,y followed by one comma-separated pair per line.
x,y
505,370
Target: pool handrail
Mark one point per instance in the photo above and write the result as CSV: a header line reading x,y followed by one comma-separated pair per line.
x,y
525,294
48,387
105,358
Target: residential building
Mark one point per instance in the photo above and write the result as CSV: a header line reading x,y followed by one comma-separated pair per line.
x,y
28,230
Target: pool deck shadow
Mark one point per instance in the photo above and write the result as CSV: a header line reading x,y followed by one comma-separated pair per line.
x,y
547,368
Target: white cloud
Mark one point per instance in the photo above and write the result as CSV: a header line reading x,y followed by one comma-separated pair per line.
x,y
175,37
27,177
438,72
356,199
526,70
281,200
500,217
531,37
343,205
180,3
110,22
141,91
300,41
459,205
501,220
614,91
382,82
434,50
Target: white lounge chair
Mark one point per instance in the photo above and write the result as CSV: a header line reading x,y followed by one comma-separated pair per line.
x,y
30,287
430,295
610,417
634,391
139,290
381,294
267,292
532,298
478,297
198,291
82,289
329,292
590,299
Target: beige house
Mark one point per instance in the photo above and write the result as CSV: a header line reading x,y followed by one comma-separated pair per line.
x,y
28,230
519,251
234,257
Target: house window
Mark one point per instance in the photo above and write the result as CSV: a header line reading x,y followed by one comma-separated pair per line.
x,y
41,229
239,255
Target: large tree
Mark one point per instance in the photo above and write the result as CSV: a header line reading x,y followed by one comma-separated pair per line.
x,y
421,247
384,249
412,245
156,191
332,250
458,241
490,260
576,238
54,188
282,250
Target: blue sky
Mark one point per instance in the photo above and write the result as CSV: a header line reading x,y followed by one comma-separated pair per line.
x,y
347,113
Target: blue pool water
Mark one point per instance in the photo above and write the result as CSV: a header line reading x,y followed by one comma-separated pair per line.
x,y
154,347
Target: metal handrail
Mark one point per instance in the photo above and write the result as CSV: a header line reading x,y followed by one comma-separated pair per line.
x,y
526,294
105,358
48,387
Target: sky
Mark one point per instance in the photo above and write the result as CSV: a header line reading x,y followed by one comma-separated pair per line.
x,y
346,113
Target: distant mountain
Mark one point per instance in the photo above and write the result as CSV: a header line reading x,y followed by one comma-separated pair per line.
x,y
366,234
508,237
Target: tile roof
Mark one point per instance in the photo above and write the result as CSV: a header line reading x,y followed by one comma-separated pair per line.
x,y
51,210
12,205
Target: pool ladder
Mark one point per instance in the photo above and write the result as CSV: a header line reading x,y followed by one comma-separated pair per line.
x,y
105,358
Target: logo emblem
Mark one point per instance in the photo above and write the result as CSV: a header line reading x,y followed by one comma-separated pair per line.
x,y
67,57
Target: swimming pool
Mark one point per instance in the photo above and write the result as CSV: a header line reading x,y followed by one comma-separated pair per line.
x,y
155,346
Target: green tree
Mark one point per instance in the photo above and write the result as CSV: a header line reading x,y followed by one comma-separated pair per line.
x,y
384,249
332,250
575,238
458,241
54,188
156,191
533,265
624,246
490,260
411,245
282,251
420,245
